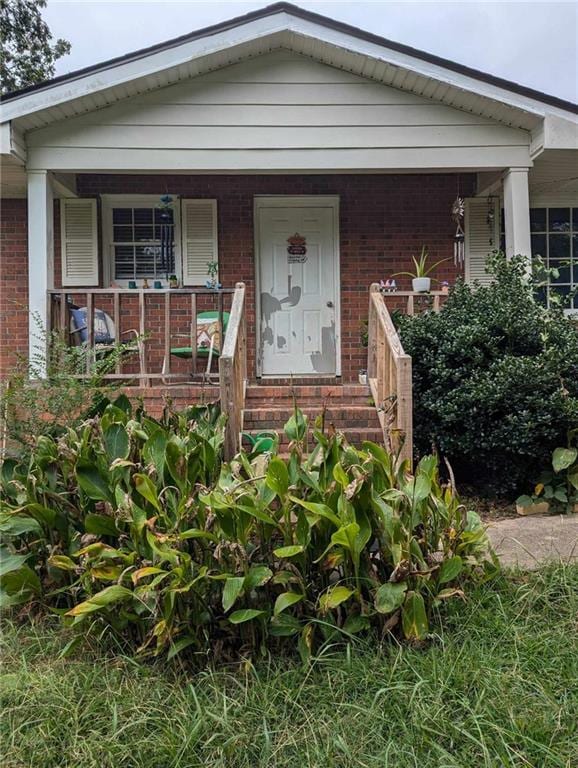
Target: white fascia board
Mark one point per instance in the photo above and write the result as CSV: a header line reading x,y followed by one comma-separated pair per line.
x,y
148,64
12,143
427,69
260,29
560,133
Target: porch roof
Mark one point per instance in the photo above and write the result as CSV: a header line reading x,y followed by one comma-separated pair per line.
x,y
552,121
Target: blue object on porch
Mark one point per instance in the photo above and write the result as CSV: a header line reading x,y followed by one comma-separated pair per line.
x,y
104,332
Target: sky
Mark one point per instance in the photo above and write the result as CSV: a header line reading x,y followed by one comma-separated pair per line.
x,y
532,43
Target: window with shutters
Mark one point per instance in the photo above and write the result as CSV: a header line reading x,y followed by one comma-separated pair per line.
x,y
141,236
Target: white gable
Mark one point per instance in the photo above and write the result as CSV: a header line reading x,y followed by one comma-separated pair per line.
x,y
280,111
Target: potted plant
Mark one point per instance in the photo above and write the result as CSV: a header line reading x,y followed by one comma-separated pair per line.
x,y
421,280
173,281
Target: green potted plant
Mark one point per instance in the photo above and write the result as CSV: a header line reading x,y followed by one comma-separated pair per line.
x,y
421,280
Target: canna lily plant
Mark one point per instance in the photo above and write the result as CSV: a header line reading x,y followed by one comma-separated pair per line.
x,y
136,525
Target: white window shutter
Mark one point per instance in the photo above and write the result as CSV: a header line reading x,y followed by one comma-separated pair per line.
x,y
79,242
199,233
482,236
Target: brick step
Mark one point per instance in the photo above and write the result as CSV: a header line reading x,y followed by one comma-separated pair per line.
x,y
354,435
341,416
308,396
283,381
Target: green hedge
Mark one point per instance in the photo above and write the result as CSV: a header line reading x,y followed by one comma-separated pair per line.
x,y
495,380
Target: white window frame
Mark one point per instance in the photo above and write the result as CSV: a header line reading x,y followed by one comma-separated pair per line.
x,y
548,201
135,201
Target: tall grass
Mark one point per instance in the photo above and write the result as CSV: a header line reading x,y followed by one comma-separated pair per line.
x,y
496,687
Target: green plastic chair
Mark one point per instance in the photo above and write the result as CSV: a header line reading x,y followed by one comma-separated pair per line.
x,y
209,350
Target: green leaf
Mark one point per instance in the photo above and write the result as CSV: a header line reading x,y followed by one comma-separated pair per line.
x,y
180,645
562,458
154,450
102,599
286,600
277,477
247,614
116,442
524,501
257,576
389,597
413,617
296,426
334,597
10,562
101,525
284,625
22,582
319,510
147,490
450,569
355,624
291,551
93,483
17,525
573,478
62,562
345,536
233,587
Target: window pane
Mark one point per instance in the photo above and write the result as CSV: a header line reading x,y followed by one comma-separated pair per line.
x,y
539,245
143,215
122,215
124,262
143,233
559,219
564,271
559,246
122,234
537,219
575,219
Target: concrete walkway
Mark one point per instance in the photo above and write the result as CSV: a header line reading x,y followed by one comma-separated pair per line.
x,y
533,540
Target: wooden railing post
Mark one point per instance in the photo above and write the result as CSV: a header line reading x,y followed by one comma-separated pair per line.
x,y
233,372
389,376
372,334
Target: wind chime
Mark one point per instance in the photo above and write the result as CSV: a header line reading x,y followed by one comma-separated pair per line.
x,y
459,237
166,235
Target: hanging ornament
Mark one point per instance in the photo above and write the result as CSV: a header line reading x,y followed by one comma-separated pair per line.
x,y
459,237
490,219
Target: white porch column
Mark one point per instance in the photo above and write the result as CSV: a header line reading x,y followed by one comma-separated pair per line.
x,y
517,212
40,258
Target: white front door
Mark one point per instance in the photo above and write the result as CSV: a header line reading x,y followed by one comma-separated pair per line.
x,y
298,290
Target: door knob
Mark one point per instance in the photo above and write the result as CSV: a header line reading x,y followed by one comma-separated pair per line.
x,y
330,304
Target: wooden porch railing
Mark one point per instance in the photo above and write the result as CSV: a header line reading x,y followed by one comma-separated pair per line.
x,y
389,376
415,301
145,330
233,372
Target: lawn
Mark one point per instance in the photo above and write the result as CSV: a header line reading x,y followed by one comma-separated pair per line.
x,y
496,687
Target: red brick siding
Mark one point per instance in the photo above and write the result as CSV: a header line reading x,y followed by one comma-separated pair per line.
x,y
13,284
384,220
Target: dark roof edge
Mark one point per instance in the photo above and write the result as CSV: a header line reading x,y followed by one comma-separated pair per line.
x,y
318,18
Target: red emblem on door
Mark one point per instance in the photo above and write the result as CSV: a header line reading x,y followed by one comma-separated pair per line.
x,y
297,246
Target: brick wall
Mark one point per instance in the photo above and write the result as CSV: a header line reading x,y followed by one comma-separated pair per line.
x,y
13,284
385,219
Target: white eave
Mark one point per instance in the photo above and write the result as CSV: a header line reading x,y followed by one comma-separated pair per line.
x,y
551,126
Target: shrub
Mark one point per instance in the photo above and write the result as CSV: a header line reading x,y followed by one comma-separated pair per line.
x,y
136,524
495,380
35,402
558,485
